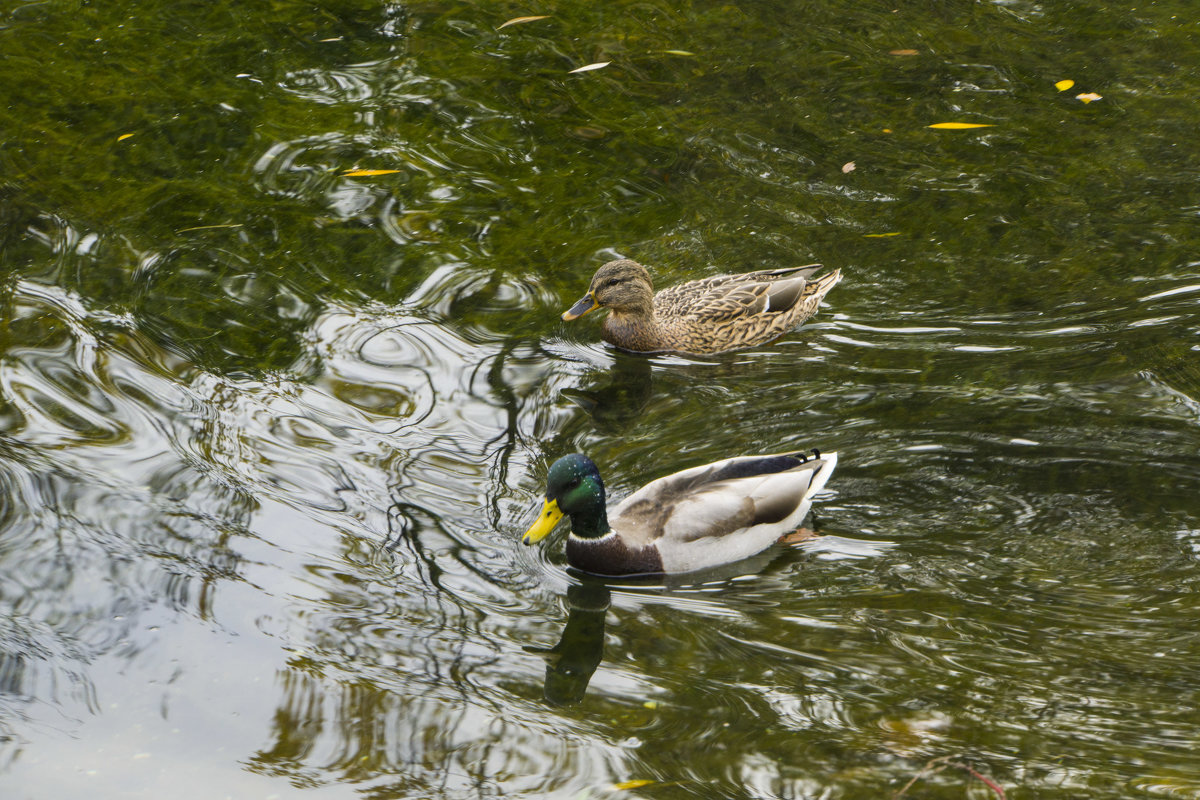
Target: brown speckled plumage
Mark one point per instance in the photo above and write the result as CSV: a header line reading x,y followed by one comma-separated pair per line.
x,y
711,315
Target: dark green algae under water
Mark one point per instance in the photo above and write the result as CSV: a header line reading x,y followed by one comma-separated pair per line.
x,y
269,432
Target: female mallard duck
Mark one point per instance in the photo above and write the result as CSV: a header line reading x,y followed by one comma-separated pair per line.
x,y
711,315
701,517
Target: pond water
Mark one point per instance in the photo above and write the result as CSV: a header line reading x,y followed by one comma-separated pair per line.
x,y
282,370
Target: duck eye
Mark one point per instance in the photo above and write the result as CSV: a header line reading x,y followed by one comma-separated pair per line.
x,y
613,281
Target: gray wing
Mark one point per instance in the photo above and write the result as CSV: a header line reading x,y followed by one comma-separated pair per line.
x,y
718,499
730,296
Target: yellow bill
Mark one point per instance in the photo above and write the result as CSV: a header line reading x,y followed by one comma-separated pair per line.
x,y
547,519
586,304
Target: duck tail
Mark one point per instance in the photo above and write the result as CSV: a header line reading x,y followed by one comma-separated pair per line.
x,y
827,462
827,282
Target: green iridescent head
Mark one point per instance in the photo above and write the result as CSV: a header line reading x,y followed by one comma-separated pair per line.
x,y
574,489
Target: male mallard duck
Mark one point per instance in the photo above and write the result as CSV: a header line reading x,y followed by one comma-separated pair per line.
x,y
701,517
711,315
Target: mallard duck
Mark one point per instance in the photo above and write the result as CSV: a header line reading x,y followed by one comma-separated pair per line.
x,y
710,315
695,519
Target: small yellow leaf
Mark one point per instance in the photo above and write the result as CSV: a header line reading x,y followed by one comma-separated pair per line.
x,y
124,136
959,126
209,227
1088,97
363,173
590,67
887,130
590,132
520,20
633,784
879,235
677,52
650,704
904,52
1062,86
849,166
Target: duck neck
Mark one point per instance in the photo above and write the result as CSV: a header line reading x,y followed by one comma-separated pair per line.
x,y
590,522
633,330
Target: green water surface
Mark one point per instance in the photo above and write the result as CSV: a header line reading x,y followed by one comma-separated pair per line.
x,y
282,370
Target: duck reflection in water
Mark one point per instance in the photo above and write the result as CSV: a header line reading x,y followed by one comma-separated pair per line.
x,y
571,663
619,395
574,659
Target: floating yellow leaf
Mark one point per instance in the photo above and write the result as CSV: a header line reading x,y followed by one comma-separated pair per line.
x,y
590,67
522,20
959,126
1062,86
124,136
879,235
590,132
650,704
364,173
677,52
849,166
1088,97
209,227
904,52
633,784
